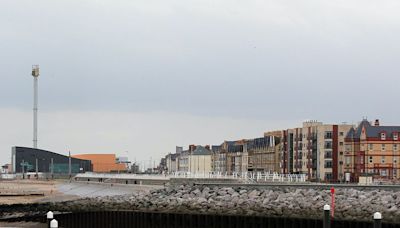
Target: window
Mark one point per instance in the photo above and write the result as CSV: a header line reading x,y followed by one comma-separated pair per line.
x,y
328,164
341,133
395,147
341,143
348,160
328,154
341,152
328,135
395,136
328,176
328,145
371,146
383,147
383,136
370,159
383,159
370,171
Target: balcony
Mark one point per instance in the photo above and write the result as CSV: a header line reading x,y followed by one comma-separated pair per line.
x,y
328,155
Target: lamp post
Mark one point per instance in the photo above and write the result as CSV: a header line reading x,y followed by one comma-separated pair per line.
x,y
35,74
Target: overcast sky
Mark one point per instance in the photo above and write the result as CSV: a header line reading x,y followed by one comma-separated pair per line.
x,y
137,77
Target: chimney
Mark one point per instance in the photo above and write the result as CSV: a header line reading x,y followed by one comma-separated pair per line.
x,y
376,122
192,148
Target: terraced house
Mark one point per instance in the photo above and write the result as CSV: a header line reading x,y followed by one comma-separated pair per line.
x,y
262,154
247,155
372,149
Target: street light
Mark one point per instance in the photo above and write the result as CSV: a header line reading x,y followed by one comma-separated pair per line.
x,y
35,74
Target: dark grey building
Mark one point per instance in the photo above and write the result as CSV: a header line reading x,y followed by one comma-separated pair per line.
x,y
24,159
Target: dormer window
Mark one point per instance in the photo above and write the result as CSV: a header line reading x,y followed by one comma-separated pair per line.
x,y
383,136
395,136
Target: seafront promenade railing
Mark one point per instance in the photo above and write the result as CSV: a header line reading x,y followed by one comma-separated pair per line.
x,y
252,177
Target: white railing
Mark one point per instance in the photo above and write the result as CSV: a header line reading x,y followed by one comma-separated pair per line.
x,y
248,177
8,176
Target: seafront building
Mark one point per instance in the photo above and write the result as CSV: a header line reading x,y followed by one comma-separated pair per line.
x,y
103,163
372,150
263,154
50,164
240,156
25,159
200,160
315,149
323,152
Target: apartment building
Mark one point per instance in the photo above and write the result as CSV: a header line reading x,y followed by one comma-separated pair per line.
x,y
247,155
183,161
315,149
218,159
195,159
200,160
236,157
262,154
171,162
372,149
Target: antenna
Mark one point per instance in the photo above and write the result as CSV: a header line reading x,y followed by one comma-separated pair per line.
x,y
35,74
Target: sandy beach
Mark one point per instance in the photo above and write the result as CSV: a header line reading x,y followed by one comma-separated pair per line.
x,y
41,191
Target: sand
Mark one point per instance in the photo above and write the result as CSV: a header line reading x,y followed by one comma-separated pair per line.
x,y
47,188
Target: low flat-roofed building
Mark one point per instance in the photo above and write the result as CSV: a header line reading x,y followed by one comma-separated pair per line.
x,y
24,159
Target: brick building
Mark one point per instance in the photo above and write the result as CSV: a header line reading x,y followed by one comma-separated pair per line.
x,y
372,149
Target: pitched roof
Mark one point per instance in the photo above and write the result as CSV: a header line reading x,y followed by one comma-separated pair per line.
x,y
375,131
216,148
371,131
200,150
351,133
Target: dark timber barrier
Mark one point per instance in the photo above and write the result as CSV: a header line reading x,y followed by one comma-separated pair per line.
x,y
122,219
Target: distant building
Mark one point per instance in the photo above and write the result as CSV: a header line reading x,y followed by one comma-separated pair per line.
x,y
200,160
5,169
218,162
125,161
103,163
372,149
316,149
236,156
24,159
247,155
162,167
262,154
183,161
134,168
171,163
178,149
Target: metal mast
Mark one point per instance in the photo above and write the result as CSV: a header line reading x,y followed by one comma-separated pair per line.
x,y
35,74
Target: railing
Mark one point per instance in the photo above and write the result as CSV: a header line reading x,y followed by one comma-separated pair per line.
x,y
8,176
121,219
255,176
